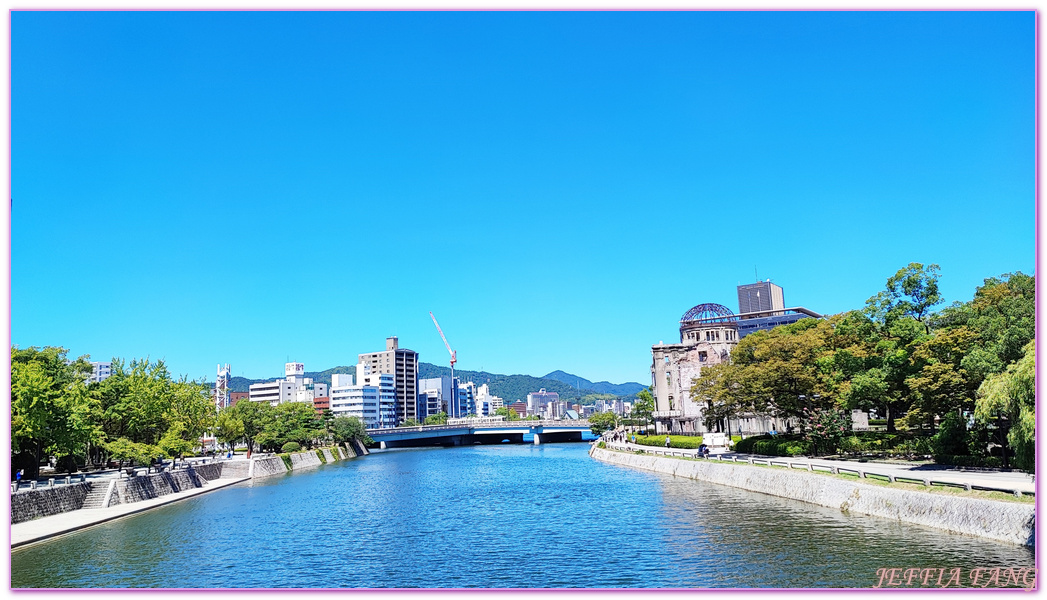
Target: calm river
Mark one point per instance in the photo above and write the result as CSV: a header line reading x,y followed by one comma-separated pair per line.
x,y
492,516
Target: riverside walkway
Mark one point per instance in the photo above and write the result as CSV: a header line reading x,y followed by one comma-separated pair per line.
x,y
48,527
44,528
909,472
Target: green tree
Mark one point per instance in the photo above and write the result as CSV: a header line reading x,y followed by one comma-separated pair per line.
x,y
951,438
124,449
345,429
176,442
1002,319
602,422
50,406
911,293
229,429
938,384
254,418
510,414
643,408
292,422
1009,398
439,418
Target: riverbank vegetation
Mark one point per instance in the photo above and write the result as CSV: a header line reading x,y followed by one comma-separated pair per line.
x,y
901,359
140,413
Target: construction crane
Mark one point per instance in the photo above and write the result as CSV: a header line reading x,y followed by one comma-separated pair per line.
x,y
452,404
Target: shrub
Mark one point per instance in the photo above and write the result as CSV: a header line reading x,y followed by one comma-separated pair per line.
x,y
291,447
968,461
320,454
675,441
66,464
601,445
774,446
746,445
853,445
951,438
287,461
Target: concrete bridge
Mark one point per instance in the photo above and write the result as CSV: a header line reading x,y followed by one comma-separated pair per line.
x,y
479,433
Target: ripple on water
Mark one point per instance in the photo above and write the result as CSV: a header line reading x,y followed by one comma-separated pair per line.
x,y
492,516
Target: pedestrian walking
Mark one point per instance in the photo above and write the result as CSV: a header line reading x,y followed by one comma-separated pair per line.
x,y
667,440
18,475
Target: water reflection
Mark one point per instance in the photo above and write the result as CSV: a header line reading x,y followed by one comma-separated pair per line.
x,y
491,516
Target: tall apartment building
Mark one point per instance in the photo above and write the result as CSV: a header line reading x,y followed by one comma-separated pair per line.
x,y
294,387
403,365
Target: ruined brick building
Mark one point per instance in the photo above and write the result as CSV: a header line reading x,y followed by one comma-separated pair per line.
x,y
708,333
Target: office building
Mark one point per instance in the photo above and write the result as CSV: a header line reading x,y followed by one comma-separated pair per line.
x,y
538,401
487,403
760,297
372,399
294,387
403,365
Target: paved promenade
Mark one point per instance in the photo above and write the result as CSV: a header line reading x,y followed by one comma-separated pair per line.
x,y
55,525
1023,482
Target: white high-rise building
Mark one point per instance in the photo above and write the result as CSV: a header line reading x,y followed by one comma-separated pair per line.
x,y
372,399
486,402
294,387
100,371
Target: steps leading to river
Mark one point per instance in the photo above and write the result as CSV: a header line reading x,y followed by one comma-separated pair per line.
x,y
96,497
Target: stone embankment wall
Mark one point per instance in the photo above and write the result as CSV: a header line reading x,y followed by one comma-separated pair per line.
x,y
361,450
263,467
44,502
301,460
234,469
215,470
145,487
1001,521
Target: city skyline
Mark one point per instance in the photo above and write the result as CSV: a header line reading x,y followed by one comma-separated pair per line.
x,y
557,188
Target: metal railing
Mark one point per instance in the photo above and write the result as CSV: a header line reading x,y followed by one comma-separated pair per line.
x,y
579,424
807,466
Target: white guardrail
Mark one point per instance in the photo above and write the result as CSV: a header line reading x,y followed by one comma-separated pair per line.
x,y
580,424
807,466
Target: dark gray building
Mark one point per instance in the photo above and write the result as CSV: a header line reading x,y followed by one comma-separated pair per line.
x,y
762,296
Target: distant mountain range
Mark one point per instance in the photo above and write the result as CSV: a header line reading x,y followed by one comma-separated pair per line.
x,y
601,387
509,387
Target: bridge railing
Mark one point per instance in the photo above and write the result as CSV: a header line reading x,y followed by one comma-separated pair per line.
x,y
581,423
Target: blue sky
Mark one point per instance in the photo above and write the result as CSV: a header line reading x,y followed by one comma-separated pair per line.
x,y
558,188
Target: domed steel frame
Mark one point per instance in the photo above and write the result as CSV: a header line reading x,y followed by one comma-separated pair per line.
x,y
709,313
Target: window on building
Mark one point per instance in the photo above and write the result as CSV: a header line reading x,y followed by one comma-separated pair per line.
x,y
702,357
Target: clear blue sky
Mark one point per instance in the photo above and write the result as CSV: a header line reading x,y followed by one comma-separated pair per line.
x,y
558,188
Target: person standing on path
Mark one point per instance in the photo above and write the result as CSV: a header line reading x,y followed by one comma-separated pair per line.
x,y
667,440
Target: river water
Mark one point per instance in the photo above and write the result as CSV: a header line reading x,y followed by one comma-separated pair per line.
x,y
506,516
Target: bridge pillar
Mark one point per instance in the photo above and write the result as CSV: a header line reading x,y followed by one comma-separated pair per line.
x,y
382,445
537,439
